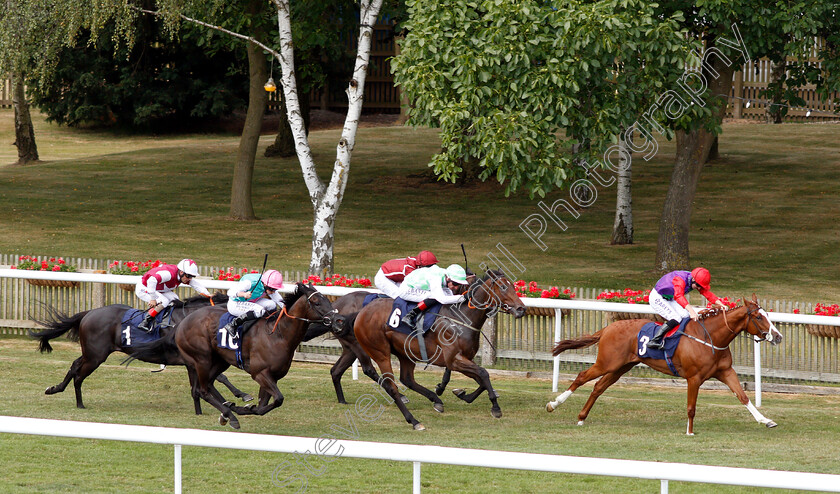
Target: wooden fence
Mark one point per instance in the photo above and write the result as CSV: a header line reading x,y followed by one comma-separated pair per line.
x,y
5,93
516,344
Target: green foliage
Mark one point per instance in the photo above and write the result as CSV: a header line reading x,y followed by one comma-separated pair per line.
x,y
502,79
155,82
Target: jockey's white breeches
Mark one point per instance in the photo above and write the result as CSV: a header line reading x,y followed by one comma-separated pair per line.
x,y
388,287
668,309
259,306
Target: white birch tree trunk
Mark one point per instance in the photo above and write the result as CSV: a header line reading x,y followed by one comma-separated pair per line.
x,y
325,199
623,225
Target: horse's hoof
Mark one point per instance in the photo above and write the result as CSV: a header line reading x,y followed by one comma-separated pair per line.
x,y
439,407
229,404
439,389
549,407
50,391
496,412
580,422
771,424
459,392
404,399
234,423
419,427
222,419
246,398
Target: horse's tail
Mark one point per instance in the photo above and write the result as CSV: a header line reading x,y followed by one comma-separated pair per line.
x,y
582,342
57,324
161,351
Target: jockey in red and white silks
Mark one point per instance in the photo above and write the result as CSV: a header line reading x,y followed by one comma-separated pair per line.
x,y
252,296
157,285
668,299
393,272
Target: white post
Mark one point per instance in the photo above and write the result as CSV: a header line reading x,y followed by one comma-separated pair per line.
x,y
663,487
356,370
558,335
177,469
757,348
416,487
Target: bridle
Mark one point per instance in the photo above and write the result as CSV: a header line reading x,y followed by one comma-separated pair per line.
x,y
504,307
753,321
325,319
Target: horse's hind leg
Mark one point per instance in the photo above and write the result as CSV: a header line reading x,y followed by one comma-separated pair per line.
x,y
233,389
407,367
441,387
337,370
71,373
87,367
599,388
597,370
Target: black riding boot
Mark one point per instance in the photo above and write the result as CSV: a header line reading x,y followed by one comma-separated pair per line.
x,y
656,342
148,323
411,317
237,321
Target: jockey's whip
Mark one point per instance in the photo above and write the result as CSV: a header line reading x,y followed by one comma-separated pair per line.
x,y
265,261
466,264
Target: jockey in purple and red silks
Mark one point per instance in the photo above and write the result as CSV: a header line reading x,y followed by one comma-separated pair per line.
x,y
155,287
668,299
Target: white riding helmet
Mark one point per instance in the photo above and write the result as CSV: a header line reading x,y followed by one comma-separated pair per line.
x,y
457,274
189,267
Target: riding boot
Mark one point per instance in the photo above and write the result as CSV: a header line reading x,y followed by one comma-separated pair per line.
x,y
148,323
238,321
411,318
657,341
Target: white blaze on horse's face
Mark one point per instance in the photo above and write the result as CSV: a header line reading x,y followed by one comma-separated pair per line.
x,y
774,336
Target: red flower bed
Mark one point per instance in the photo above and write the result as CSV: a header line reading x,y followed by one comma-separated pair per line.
x,y
338,280
530,289
34,264
231,274
626,296
132,267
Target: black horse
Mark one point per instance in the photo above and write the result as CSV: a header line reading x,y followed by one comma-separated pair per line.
x,y
99,333
346,305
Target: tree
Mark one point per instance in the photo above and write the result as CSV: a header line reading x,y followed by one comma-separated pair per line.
x,y
92,15
734,32
501,80
17,51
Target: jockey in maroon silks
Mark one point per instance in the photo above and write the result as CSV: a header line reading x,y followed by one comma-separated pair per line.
x,y
393,272
157,285
668,299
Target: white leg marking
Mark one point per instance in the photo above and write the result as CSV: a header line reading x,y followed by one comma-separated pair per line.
x,y
761,419
560,399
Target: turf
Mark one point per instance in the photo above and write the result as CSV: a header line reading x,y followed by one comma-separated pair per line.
x,y
629,421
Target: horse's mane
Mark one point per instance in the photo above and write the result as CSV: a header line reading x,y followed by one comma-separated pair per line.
x,y
715,311
290,298
201,300
494,273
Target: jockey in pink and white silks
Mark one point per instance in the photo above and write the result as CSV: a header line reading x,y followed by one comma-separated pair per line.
x,y
392,273
252,296
668,299
432,285
157,285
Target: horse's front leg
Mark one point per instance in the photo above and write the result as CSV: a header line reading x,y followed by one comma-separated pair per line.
x,y
482,377
730,378
691,405
268,385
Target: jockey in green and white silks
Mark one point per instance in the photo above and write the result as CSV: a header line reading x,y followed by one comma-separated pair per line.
x,y
432,285
252,296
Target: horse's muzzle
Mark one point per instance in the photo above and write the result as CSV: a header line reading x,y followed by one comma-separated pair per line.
x,y
519,312
337,324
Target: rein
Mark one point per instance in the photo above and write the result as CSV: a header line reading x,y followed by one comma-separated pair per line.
x,y
325,319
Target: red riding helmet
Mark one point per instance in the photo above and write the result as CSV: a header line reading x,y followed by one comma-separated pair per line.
x,y
426,258
701,276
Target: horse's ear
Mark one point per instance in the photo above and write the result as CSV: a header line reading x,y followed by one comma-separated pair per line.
x,y
754,299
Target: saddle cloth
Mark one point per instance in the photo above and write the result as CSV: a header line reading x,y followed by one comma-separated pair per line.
x,y
228,342
402,307
131,335
646,334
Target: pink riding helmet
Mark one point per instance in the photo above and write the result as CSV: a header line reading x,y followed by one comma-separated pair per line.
x,y
273,279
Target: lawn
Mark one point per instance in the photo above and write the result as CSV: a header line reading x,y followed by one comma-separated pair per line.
x,y
764,219
629,421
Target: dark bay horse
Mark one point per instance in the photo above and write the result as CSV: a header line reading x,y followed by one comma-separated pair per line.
x,y
703,354
452,342
346,305
267,348
99,333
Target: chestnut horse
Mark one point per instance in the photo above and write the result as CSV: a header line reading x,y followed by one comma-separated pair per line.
x,y
99,333
267,348
452,342
703,354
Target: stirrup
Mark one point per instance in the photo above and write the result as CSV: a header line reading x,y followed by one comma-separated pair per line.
x,y
231,329
656,345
